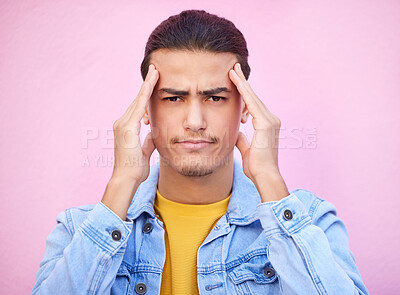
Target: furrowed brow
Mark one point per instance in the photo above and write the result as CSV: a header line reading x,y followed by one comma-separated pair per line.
x,y
211,91
214,91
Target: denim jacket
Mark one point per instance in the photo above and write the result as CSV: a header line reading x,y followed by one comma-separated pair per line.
x,y
293,246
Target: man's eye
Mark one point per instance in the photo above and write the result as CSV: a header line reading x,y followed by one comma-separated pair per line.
x,y
172,98
217,98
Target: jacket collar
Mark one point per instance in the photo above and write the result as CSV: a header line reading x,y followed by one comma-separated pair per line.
x,y
241,208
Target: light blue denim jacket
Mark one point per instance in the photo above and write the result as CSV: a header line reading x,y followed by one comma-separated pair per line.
x,y
293,246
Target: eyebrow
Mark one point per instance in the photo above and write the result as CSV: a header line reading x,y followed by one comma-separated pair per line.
x,y
211,91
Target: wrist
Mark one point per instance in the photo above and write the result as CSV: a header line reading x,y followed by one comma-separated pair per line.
x,y
120,180
119,194
271,178
271,187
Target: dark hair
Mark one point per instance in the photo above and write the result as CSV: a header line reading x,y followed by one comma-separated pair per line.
x,y
197,30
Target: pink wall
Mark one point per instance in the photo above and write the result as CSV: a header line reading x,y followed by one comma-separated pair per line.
x,y
330,70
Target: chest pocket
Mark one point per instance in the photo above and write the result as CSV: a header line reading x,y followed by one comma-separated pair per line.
x,y
121,285
255,276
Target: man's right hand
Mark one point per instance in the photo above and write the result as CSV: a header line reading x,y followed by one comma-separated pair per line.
x,y
131,160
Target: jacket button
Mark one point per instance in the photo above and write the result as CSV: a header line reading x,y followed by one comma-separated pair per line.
x,y
147,227
287,214
140,288
269,272
116,235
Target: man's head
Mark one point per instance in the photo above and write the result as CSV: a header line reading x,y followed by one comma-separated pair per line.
x,y
193,53
197,30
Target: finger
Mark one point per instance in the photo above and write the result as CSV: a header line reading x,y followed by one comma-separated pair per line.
x,y
254,104
127,113
143,89
151,77
137,110
247,97
238,70
148,145
242,144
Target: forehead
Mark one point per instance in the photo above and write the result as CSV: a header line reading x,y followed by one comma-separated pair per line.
x,y
192,71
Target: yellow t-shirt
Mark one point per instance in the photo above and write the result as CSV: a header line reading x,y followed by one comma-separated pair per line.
x,y
186,227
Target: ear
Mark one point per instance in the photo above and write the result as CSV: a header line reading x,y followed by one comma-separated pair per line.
x,y
146,116
245,113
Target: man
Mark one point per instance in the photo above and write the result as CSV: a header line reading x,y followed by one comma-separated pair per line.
x,y
199,221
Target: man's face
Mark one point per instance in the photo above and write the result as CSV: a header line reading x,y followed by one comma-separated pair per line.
x,y
183,109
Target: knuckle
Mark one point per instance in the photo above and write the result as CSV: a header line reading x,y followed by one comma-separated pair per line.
x,y
116,124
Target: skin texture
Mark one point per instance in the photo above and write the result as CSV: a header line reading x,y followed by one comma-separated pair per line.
x,y
204,175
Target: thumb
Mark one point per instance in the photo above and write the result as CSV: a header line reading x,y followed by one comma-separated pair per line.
x,y
242,144
148,145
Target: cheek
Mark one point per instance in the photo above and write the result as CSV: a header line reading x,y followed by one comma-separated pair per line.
x,y
153,110
157,115
229,125
163,129
236,120
156,123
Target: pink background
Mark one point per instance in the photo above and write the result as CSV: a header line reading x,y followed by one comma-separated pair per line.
x,y
330,70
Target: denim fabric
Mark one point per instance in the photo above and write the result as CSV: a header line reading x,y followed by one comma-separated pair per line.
x,y
253,249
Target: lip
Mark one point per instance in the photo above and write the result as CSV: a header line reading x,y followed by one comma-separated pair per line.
x,y
194,144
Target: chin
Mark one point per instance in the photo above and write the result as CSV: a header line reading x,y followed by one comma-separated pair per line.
x,y
194,165
195,171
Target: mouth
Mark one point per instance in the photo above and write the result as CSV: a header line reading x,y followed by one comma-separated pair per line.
x,y
194,144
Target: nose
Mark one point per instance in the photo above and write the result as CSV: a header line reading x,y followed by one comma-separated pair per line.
x,y
195,119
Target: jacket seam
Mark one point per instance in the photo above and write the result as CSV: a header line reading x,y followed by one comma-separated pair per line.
x,y
245,258
97,277
69,224
314,207
315,278
100,245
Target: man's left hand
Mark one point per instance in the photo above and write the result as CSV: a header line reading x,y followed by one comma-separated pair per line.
x,y
260,159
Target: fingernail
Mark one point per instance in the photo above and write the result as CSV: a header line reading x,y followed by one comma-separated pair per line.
x,y
151,67
239,66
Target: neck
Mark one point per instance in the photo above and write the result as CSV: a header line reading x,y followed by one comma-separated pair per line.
x,y
196,190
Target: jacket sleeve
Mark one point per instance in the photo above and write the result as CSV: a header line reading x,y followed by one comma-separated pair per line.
x,y
85,260
309,250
